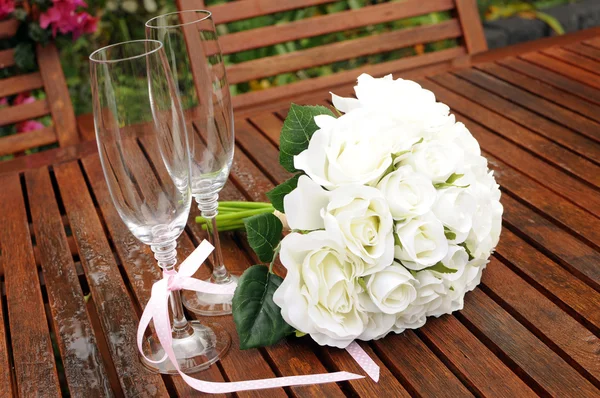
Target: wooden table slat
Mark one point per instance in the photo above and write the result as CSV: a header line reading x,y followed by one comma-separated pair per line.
x,y
573,59
531,328
117,314
35,368
549,110
85,371
484,372
540,314
547,91
520,346
563,68
552,78
582,49
583,146
6,376
564,288
572,189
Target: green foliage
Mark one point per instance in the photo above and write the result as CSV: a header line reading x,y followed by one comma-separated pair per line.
x,y
277,194
25,57
441,268
298,128
124,20
264,233
257,318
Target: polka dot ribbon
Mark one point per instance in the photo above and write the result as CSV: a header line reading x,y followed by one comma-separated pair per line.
x,y
157,310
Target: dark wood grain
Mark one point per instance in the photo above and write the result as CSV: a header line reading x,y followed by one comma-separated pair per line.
x,y
531,328
18,84
541,125
545,108
57,94
259,368
547,276
582,49
563,68
117,314
541,146
320,25
479,367
560,97
574,59
513,340
473,31
551,177
35,369
6,387
420,370
81,358
541,316
552,78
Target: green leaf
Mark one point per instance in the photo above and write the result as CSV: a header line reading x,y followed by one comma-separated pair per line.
x,y
449,234
257,318
25,57
453,178
20,14
38,34
300,334
277,194
464,245
450,182
441,268
264,233
397,240
298,128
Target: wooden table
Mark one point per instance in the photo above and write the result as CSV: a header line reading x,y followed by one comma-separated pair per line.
x,y
74,280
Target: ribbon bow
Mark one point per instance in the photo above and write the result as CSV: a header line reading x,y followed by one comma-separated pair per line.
x,y
157,310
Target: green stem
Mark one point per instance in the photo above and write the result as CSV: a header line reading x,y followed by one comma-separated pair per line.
x,y
236,216
245,205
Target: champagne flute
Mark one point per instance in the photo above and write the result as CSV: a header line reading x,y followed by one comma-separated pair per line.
x,y
134,98
194,55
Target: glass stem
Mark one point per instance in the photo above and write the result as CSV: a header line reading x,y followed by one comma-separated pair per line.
x,y
166,255
209,208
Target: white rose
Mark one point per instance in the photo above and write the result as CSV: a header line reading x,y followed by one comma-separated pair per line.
x,y
455,208
435,159
403,100
349,149
411,318
319,295
391,289
356,216
461,136
422,242
456,259
408,193
378,326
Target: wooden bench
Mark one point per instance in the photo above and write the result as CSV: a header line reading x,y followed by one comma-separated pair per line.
x,y
464,26
57,103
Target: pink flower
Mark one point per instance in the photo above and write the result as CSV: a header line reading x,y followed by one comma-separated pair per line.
x,y
4,101
63,18
85,24
23,98
29,125
6,7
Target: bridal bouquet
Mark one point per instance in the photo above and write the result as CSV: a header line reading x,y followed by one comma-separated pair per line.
x,y
393,216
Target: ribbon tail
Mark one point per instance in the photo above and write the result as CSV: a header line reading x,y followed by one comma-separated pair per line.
x,y
147,316
364,360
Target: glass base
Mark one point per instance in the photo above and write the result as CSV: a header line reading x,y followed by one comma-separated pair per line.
x,y
208,304
207,345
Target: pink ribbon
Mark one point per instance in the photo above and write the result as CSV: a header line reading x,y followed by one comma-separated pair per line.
x,y
157,310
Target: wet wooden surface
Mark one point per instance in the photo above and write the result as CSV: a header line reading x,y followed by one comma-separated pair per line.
x,y
74,280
